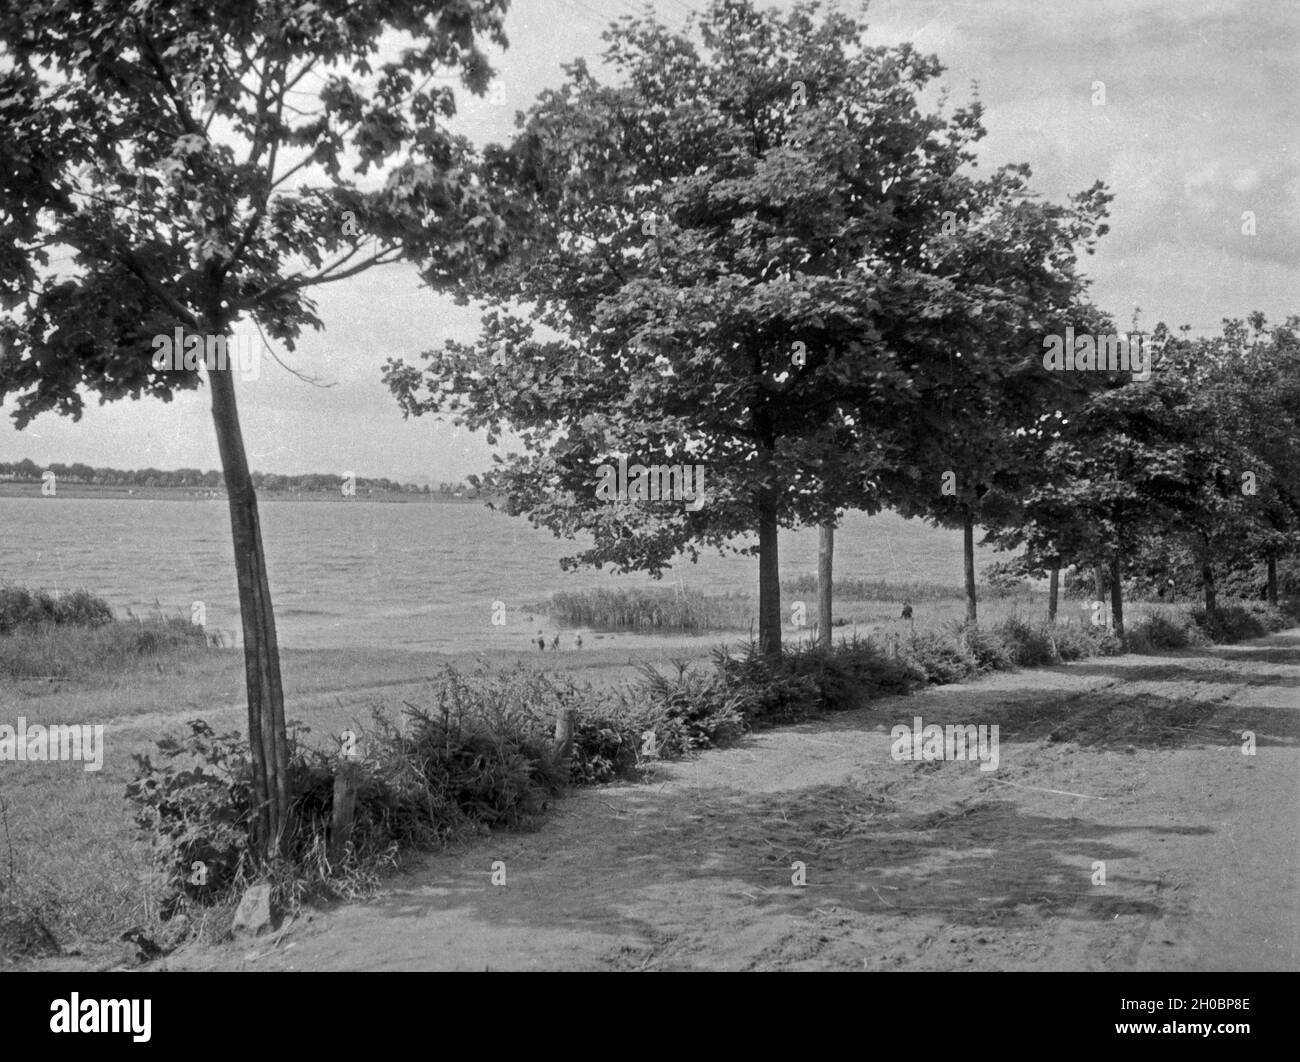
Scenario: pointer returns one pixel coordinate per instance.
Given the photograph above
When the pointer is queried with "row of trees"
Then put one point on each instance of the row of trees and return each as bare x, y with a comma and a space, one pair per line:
758, 252
1196, 470
311, 482
757, 248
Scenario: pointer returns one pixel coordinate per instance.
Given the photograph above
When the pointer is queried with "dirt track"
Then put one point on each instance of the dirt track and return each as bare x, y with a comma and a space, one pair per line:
929, 866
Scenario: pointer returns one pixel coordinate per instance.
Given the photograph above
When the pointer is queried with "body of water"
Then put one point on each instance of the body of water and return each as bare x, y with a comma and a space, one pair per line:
422, 576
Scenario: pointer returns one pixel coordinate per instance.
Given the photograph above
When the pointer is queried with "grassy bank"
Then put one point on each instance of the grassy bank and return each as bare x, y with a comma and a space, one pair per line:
450, 747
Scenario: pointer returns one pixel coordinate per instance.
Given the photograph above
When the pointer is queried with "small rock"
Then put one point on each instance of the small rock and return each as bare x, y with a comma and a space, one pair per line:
253, 918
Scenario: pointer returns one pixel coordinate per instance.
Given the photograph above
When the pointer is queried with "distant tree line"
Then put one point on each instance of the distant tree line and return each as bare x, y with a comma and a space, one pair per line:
28, 470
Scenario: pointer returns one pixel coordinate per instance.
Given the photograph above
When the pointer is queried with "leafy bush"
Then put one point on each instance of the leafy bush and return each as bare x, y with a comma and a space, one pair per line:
481, 758
1076, 642
694, 710
604, 747
1028, 644
847, 672
987, 646
1162, 631
768, 691
197, 809
1237, 620
940, 655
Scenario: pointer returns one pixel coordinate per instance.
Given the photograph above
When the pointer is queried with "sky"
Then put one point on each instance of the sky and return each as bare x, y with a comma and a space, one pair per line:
1198, 126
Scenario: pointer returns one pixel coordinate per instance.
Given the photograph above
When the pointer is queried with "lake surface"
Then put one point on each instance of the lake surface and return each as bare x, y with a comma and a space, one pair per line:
414, 575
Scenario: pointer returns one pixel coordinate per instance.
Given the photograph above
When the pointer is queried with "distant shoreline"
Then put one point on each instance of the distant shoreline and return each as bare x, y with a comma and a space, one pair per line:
64, 489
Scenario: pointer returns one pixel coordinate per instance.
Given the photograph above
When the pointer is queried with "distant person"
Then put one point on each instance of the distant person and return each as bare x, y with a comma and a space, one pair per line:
907, 610
555, 642
577, 641
541, 641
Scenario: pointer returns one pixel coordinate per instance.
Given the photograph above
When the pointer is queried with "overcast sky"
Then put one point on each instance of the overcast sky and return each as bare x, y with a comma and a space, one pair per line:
1199, 125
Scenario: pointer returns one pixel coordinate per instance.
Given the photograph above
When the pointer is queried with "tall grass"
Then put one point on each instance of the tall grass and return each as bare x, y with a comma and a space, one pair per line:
74, 635
23, 609
874, 589
651, 609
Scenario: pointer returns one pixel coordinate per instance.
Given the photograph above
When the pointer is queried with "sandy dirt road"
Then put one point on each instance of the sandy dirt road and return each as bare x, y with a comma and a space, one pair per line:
1135, 763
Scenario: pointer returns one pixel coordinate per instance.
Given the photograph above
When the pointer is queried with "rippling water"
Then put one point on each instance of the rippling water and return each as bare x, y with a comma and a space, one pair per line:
414, 575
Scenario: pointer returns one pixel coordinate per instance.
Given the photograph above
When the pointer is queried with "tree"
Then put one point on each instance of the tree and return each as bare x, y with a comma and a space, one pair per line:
175, 153
713, 249
1010, 279
1252, 372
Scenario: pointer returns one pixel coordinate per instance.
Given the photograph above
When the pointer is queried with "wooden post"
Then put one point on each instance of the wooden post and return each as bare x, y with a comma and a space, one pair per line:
968, 559
345, 806
1117, 601
825, 552
564, 735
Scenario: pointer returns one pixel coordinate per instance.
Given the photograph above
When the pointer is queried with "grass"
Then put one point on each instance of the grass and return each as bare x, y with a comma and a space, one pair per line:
880, 590
26, 610
864, 602
54, 653
75, 636
651, 609
459, 749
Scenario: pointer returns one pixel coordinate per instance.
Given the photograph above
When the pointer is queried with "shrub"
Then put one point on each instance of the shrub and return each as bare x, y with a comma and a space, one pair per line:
1162, 631
851, 670
940, 655
196, 808
768, 691
693, 710
1238, 620
987, 647
1029, 644
604, 747
1077, 643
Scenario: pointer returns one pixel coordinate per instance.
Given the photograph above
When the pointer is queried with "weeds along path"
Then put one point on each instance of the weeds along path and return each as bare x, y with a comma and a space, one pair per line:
1135, 763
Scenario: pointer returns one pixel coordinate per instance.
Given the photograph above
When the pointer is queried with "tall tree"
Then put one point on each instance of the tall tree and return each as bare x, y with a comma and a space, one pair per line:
714, 243
187, 166
1009, 279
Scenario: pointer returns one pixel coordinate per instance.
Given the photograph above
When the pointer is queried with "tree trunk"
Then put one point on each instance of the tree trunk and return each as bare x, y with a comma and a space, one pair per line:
1053, 592
1098, 583
1207, 582
1117, 600
266, 729
1272, 580
769, 580
968, 551
825, 555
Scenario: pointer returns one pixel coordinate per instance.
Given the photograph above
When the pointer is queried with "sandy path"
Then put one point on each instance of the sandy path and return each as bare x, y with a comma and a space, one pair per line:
909, 865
